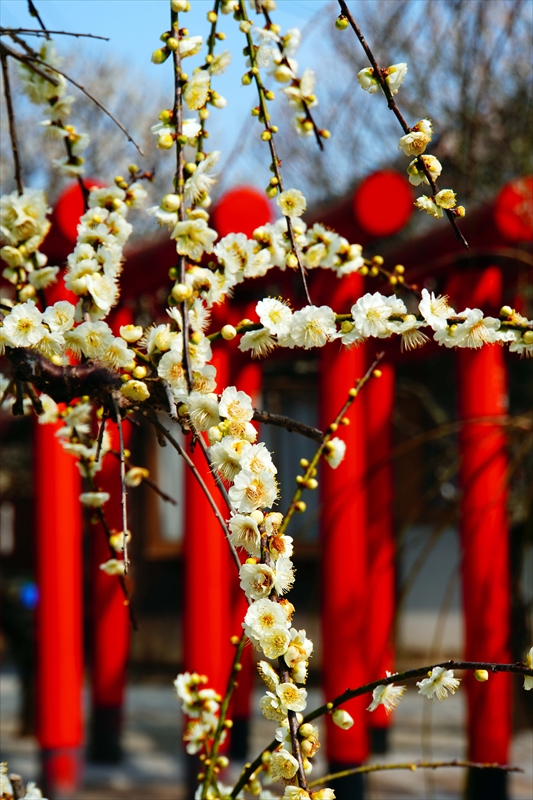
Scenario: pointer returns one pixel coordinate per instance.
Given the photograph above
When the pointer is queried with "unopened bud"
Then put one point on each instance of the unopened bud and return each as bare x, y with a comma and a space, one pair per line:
228, 332
341, 23
342, 719
181, 292
506, 311
481, 675
266, 136
528, 337
300, 506
291, 261
377, 373
160, 56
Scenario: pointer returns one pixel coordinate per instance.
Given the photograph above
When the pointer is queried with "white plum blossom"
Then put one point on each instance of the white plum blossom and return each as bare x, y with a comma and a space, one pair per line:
113, 566
367, 80
435, 310
476, 330
262, 617
235, 405
275, 315
312, 326
200, 181
439, 682
94, 499
227, 455
292, 697
23, 325
387, 695
427, 204
415, 142
251, 491
283, 765
417, 174
260, 342
60, 316
256, 580
196, 91
193, 238
395, 76
292, 203
370, 315
334, 452
203, 410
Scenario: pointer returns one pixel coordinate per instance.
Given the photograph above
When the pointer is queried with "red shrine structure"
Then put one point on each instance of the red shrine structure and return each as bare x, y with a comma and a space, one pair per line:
357, 543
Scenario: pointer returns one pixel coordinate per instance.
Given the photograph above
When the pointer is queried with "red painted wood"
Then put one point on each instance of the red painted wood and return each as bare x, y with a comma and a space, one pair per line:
59, 612
484, 529
207, 608
378, 398
344, 546
110, 619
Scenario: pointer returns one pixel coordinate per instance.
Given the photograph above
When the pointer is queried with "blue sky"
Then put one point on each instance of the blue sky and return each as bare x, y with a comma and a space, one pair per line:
134, 28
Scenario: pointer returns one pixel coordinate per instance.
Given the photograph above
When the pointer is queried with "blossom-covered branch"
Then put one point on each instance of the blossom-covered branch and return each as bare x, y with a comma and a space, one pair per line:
415, 140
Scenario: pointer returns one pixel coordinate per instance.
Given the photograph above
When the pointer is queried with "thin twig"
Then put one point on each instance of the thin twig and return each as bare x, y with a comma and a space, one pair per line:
329, 432
275, 160
232, 683
34, 13
35, 32
179, 185
8, 51
171, 402
378, 74
349, 694
413, 766
291, 425
176, 445
12, 129
123, 495
163, 495
101, 432
33, 59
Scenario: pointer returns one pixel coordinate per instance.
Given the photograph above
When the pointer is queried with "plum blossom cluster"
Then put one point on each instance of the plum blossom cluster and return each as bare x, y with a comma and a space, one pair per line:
57, 105
96, 262
424, 169
201, 705
23, 228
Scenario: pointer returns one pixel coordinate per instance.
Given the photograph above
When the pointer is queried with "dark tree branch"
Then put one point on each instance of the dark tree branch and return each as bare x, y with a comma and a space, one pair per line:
378, 73
12, 128
34, 32
291, 425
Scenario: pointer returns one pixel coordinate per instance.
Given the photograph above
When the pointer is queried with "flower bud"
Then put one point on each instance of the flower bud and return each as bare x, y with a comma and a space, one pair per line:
170, 202
140, 372
291, 261
228, 332
266, 136
257, 516
506, 311
306, 730
528, 337
211, 17
214, 434
172, 43
341, 23
246, 79
179, 5
481, 675
342, 719
160, 56
181, 292
165, 141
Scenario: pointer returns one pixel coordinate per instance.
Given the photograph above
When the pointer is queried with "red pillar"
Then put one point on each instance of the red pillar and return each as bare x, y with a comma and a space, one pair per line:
110, 627
378, 397
247, 377
482, 385
59, 614
344, 584
206, 619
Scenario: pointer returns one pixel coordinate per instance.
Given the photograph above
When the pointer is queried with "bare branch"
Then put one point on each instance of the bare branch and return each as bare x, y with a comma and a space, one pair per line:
291, 425
34, 13
34, 32
124, 495
12, 129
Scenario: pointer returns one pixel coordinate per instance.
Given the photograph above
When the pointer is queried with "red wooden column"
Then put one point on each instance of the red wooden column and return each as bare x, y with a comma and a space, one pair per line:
344, 579
207, 609
247, 377
482, 387
59, 614
378, 398
110, 626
